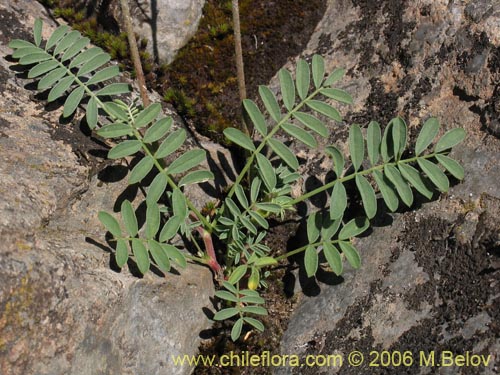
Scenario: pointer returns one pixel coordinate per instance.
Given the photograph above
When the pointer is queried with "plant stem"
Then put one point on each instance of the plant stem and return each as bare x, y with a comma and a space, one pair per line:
239, 58
134, 52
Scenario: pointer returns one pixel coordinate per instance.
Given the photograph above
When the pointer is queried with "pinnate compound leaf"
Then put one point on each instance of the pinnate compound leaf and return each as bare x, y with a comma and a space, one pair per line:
256, 116
196, 177
114, 89
287, 88
338, 202
333, 258
300, 134
121, 255
356, 146
114, 130
284, 153
126, 148
226, 313
390, 197
338, 95
427, 134
92, 112
170, 228
450, 139
171, 143
270, 102
318, 70
158, 130
129, 218
238, 137
312, 123
42, 68
186, 161
266, 171
303, 78
237, 274
335, 76
73, 101
402, 187
455, 169
159, 256
413, 176
311, 261
141, 170
147, 115
110, 223
37, 31
373, 138
354, 228
324, 109
351, 254
435, 174
105, 74
367, 196
338, 160
141, 255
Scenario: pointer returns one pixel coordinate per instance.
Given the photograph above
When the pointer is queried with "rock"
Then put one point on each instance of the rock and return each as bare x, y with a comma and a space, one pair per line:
429, 279
64, 306
167, 25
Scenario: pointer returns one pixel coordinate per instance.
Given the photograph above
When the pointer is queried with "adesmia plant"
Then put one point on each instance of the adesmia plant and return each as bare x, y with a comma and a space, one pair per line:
379, 163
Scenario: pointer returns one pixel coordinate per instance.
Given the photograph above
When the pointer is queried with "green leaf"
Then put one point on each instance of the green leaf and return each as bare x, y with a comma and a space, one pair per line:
158, 130
451, 166
92, 112
147, 115
450, 139
335, 76
255, 323
42, 68
230, 287
233, 207
237, 274
110, 223
66, 42
333, 258
413, 176
269, 207
265, 261
186, 161
351, 254
435, 174
388, 193
338, 202
318, 70
51, 78
240, 194
313, 227
312, 123
356, 146
399, 136
26, 51
270, 102
300, 134
179, 204
34, 58
125, 148
248, 225
402, 187
141, 255
303, 78
287, 88
259, 219
226, 313
238, 137
258, 310
427, 134
170, 228
255, 189
338, 95
152, 220
284, 153
311, 261
121, 254
114, 89
354, 228
338, 160
73, 101
222, 294
85, 57
157, 188
37, 31
171, 143
20, 43
236, 330
175, 255
94, 64
116, 111
266, 171
129, 218
196, 177
256, 116
114, 130
330, 227
104, 75
60, 88
367, 196
324, 109
373, 138
75, 48
386, 146
56, 36
159, 255
141, 170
